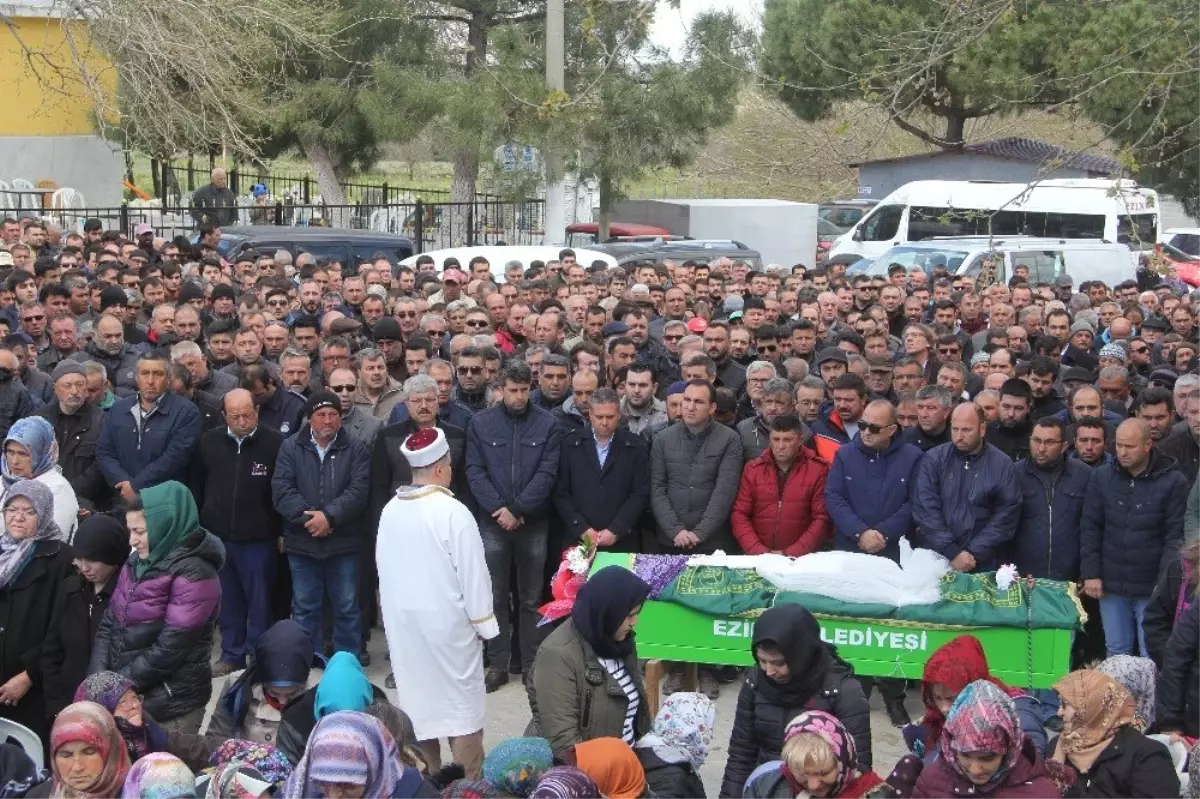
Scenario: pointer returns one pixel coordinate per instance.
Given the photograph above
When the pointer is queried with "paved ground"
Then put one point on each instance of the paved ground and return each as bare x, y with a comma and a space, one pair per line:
508, 713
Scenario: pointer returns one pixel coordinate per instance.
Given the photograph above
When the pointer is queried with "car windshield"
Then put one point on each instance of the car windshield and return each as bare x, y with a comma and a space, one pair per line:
927, 258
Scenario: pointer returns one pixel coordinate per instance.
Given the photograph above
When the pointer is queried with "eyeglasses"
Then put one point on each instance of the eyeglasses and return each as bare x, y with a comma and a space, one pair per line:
1140, 350
277, 302
19, 512
470, 370
476, 323
33, 318
346, 389
873, 429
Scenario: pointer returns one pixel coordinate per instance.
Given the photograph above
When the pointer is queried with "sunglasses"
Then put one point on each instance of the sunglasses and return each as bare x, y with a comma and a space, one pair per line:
33, 318
343, 389
406, 315
874, 429
948, 350
768, 348
672, 338
476, 323
470, 370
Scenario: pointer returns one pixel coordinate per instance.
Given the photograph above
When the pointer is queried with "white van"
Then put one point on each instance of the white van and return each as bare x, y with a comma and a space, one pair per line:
1108, 210
1045, 259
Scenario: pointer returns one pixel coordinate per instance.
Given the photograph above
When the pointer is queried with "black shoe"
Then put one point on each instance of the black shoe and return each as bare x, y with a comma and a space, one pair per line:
494, 679
364, 659
514, 667
390, 681
897, 713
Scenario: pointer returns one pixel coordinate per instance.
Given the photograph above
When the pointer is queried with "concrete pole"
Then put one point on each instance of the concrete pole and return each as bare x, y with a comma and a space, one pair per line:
555, 218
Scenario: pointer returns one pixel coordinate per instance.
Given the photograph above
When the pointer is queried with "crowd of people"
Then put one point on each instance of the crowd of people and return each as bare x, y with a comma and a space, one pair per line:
294, 452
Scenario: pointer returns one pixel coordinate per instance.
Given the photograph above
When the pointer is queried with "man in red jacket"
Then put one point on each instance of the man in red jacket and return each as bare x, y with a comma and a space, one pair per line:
780, 505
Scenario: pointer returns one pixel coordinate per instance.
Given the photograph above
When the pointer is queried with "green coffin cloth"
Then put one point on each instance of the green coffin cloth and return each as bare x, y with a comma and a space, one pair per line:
968, 600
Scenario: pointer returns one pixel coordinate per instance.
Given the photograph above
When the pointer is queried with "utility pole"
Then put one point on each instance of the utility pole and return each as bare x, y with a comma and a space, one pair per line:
556, 210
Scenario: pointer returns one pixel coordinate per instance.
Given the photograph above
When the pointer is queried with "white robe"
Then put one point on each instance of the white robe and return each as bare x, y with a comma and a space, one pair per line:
436, 597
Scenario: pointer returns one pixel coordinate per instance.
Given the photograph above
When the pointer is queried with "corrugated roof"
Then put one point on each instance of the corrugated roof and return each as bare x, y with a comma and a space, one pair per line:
1015, 148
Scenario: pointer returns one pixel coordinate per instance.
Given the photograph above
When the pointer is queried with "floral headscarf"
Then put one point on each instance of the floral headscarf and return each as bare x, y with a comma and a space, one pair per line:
106, 688
682, 730
829, 729
234, 780
565, 782
983, 719
263, 758
348, 747
1139, 676
15, 554
160, 775
514, 766
1102, 706
89, 723
36, 435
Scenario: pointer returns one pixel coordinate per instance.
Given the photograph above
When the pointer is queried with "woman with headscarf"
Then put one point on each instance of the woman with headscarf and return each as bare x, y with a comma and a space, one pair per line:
233, 781
565, 782
31, 453
343, 686
951, 668
252, 702
160, 776
515, 766
983, 752
613, 766
590, 664
87, 756
677, 745
34, 564
158, 631
100, 547
1100, 747
351, 756
796, 671
1139, 676
263, 758
819, 759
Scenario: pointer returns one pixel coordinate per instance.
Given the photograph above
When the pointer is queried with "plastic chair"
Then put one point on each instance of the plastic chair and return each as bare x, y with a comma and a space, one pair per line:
66, 198
25, 738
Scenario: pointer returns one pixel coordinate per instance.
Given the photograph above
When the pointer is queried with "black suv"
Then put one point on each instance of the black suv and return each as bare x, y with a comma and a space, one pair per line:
632, 254
350, 247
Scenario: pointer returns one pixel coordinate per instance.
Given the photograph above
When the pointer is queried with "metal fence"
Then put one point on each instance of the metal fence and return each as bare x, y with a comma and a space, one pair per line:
176, 183
431, 225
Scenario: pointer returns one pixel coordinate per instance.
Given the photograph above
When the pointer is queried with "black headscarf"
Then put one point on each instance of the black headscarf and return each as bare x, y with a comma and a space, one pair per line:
283, 654
603, 603
793, 632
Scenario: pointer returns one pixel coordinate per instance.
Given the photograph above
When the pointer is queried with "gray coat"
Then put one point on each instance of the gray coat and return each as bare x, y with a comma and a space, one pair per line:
122, 368
362, 426
218, 383
650, 419
693, 482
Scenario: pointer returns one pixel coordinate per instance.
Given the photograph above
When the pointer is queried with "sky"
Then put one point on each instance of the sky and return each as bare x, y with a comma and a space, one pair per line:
670, 25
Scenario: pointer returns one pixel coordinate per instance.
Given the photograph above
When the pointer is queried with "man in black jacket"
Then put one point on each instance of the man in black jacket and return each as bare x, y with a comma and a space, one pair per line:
603, 482
1010, 432
232, 475
77, 425
934, 405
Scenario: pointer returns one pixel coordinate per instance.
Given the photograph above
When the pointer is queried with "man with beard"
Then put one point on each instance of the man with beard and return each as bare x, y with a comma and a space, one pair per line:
108, 348
934, 404
730, 374
189, 355
554, 382
471, 390
77, 425
278, 408
390, 341
641, 411
1046, 402
1010, 432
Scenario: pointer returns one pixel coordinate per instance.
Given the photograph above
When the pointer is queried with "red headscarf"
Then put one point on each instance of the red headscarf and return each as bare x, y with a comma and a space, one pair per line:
956, 664
92, 724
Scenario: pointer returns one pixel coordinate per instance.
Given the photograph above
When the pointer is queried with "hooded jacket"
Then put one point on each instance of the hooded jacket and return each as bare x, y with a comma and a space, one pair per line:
775, 512
1132, 526
284, 654
869, 490
158, 631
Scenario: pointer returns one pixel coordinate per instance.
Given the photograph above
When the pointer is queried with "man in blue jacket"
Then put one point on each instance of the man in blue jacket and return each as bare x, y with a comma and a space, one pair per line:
1053, 490
966, 499
1132, 524
148, 438
867, 497
321, 485
512, 461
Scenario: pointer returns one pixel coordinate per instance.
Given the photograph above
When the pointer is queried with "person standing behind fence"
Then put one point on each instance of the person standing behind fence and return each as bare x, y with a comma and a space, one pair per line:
215, 204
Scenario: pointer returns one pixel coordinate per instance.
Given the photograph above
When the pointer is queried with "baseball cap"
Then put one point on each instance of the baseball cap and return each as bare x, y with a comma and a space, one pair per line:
144, 227
697, 325
454, 276
831, 354
614, 329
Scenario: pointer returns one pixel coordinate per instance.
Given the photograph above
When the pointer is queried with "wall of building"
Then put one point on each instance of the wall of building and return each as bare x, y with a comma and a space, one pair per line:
49, 130
876, 181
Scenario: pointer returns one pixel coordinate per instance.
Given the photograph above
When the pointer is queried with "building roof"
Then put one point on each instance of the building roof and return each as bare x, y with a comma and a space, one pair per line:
1015, 148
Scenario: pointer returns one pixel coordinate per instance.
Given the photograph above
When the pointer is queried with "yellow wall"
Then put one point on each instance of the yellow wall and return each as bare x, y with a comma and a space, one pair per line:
44, 92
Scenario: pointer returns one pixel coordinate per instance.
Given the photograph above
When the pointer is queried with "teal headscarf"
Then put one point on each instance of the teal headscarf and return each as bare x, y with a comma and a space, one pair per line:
171, 516
343, 686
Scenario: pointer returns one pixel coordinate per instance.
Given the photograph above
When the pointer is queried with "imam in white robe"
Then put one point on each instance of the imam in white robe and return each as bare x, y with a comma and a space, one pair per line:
436, 597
